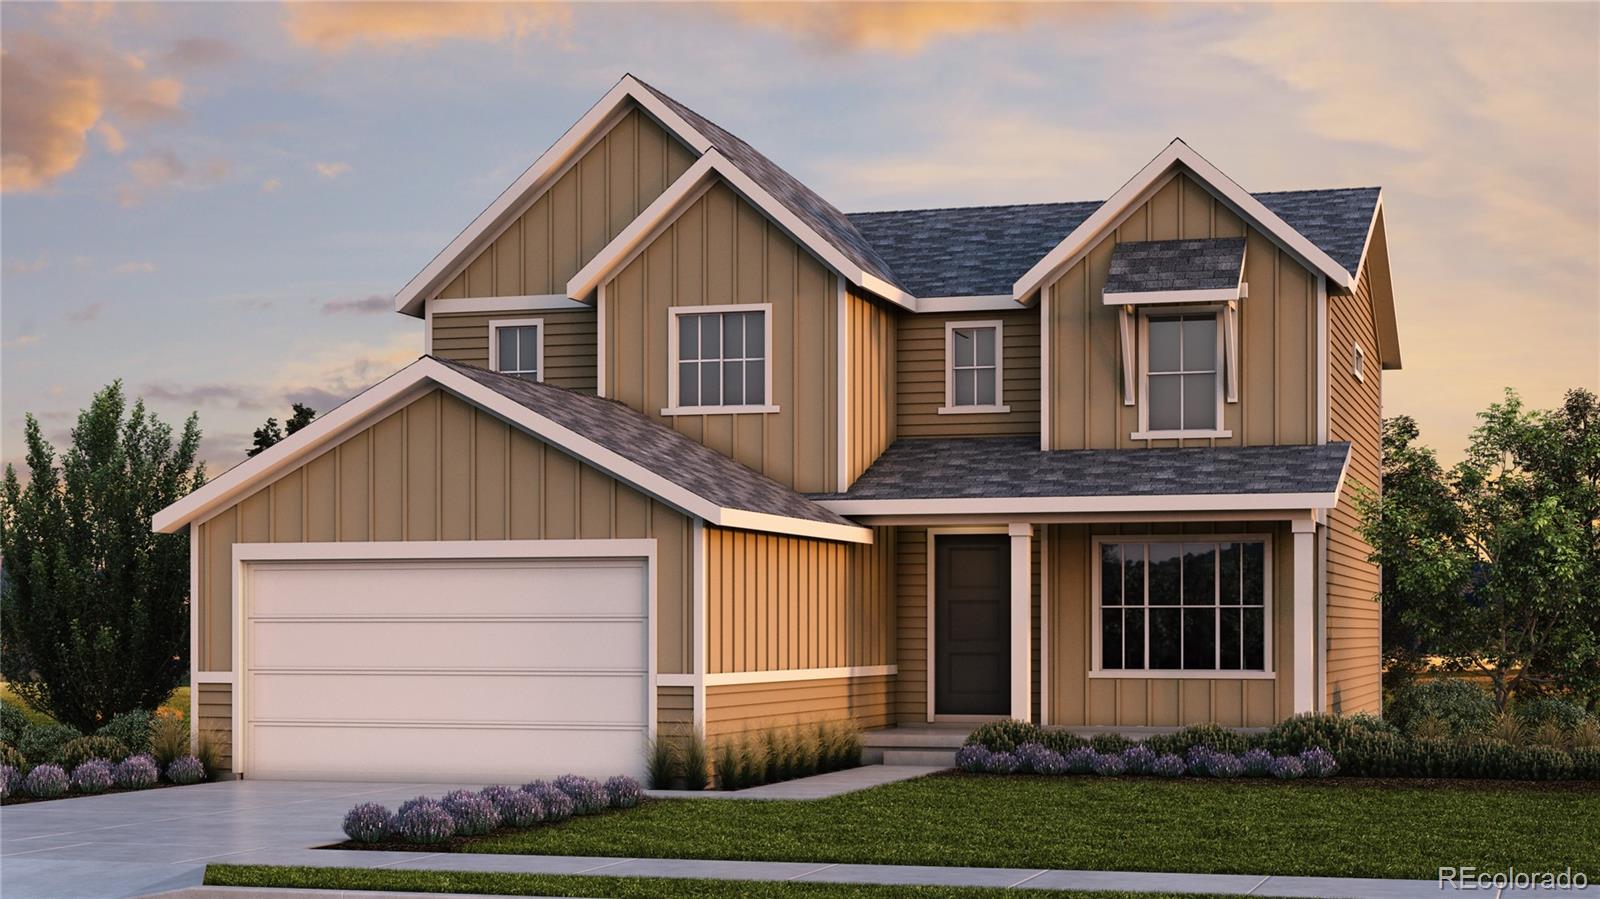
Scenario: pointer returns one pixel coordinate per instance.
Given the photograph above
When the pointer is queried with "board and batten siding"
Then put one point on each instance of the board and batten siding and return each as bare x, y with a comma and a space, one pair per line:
720, 251
1355, 413
1277, 335
871, 338
1078, 700
569, 342
922, 364
565, 226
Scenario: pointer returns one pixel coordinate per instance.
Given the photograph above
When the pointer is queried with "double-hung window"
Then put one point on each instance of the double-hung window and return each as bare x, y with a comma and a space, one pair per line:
974, 367
721, 359
516, 347
1179, 607
1182, 377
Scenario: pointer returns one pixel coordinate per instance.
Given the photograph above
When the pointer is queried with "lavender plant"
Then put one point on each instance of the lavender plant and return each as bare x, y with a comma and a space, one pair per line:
10, 781
1257, 762
1080, 760
136, 772
473, 814
368, 822
1287, 767
1168, 765
588, 795
1000, 763
186, 770
1138, 759
1318, 762
93, 776
521, 809
623, 791
424, 821
497, 794
973, 758
558, 806
1226, 764
1036, 758
46, 781
1109, 764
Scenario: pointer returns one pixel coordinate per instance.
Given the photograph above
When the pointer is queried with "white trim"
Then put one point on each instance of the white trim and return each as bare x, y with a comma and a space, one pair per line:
600, 354
1127, 331
1030, 505
1001, 302
1096, 671
797, 674
1147, 297
1230, 352
1178, 154
494, 342
1322, 703
928, 648
744, 519
950, 329
533, 303
543, 172
194, 634
842, 477
246, 554
1358, 362
1046, 365
211, 677
1322, 360
1021, 536
697, 696
1304, 598
1044, 626
676, 312
1218, 373
1198, 434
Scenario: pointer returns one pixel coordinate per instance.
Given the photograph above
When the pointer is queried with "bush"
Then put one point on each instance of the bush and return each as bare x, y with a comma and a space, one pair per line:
93, 776
10, 756
1563, 713
1586, 763
473, 814
1318, 762
1507, 728
623, 791
1080, 760
1108, 764
136, 772
1109, 744
210, 746
660, 763
43, 742
803, 757
1584, 736
1035, 758
588, 795
83, 749
1301, 732
186, 770
1287, 767
169, 739
13, 721
10, 781
1212, 735
558, 806
973, 758
521, 809
1168, 765
497, 794
730, 776
695, 774
423, 821
1463, 706
46, 781
1138, 759
1256, 762
1000, 763
368, 822
131, 729
1006, 736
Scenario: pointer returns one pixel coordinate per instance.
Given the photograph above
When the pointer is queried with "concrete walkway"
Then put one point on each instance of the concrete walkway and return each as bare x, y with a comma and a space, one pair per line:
821, 786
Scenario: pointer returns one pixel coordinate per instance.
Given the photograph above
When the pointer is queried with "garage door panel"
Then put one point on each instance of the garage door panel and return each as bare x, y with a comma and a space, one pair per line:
599, 587
469, 755
442, 698
446, 644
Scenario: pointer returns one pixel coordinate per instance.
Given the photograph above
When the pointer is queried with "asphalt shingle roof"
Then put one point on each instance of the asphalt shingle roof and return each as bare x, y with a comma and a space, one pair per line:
690, 465
1013, 467
1147, 265
1337, 220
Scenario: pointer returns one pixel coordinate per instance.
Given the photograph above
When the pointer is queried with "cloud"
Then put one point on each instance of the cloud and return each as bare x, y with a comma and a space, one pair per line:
53, 93
907, 28
371, 305
128, 268
270, 185
163, 168
111, 137
86, 314
27, 266
22, 340
335, 27
231, 395
331, 169
200, 52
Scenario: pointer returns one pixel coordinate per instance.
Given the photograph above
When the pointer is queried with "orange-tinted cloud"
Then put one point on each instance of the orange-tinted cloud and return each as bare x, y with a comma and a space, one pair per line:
163, 168
337, 26
906, 27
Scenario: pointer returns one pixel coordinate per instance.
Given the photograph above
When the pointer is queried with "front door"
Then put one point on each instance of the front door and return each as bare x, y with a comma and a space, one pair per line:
972, 624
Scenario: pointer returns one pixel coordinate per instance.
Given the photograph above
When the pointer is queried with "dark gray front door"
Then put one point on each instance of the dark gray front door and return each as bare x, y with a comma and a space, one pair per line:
971, 624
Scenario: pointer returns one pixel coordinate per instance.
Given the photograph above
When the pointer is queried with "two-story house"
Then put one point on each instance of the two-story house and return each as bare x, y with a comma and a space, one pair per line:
692, 447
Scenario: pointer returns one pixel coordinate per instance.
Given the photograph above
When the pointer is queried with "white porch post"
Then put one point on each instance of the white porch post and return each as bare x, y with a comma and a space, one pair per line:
1021, 620
1305, 663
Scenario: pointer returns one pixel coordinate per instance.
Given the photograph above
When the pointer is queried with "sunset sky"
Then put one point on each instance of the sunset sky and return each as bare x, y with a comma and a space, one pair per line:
215, 202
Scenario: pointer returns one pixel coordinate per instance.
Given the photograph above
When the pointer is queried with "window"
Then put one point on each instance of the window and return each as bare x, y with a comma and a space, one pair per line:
516, 347
1182, 607
720, 360
974, 367
1358, 362
1182, 387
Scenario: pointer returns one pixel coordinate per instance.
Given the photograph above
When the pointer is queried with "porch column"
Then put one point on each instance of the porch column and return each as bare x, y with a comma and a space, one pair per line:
1305, 662
1021, 620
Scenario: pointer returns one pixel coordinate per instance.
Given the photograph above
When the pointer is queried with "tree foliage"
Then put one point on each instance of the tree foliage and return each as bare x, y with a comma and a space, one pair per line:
94, 604
269, 433
1494, 564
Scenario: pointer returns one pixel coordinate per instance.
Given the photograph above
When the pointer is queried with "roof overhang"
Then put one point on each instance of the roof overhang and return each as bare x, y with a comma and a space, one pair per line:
538, 176
425, 374
1068, 505
1178, 156
1375, 269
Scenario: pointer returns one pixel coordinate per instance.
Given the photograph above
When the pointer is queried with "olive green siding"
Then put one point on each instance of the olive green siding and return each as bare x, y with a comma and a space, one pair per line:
871, 334
921, 366
569, 342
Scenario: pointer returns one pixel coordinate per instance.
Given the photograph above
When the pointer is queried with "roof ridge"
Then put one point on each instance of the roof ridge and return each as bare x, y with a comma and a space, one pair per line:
977, 206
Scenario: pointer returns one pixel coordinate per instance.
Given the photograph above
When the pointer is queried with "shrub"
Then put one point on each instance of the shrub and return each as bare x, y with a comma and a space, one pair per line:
13, 721
1109, 744
695, 774
839, 746
1586, 763
588, 795
1318, 762
1006, 736
1563, 713
1080, 760
1168, 765
752, 761
1256, 762
729, 775
521, 809
1212, 735
10, 756
423, 821
78, 751
410, 804
1507, 728
1062, 741
1034, 758
1430, 727
1000, 763
169, 739
1294, 735
136, 772
46, 781
1584, 736
660, 763
1108, 764
10, 781
973, 758
803, 758
623, 791
558, 806
1463, 706
368, 822
473, 814
1549, 733
209, 747
1200, 760
1138, 759
131, 729
186, 770
43, 742
93, 776
497, 794
1287, 767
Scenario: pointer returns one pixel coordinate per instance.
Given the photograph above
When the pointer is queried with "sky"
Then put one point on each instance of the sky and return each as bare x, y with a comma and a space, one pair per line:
215, 202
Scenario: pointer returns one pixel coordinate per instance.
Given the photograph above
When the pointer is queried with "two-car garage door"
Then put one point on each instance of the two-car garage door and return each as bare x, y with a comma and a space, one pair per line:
429, 668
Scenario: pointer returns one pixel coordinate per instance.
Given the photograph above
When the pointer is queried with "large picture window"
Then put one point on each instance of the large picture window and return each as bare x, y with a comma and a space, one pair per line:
1182, 380
720, 360
1183, 606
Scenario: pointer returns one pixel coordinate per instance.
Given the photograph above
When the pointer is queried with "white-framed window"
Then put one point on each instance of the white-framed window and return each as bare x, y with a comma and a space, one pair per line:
720, 359
1358, 362
974, 367
1183, 606
516, 347
1180, 374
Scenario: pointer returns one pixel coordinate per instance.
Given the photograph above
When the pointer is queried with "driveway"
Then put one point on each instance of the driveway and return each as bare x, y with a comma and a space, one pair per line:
131, 844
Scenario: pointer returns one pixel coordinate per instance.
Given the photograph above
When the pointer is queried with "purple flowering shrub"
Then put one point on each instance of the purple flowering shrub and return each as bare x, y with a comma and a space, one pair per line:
473, 814
1000, 763
623, 791
521, 809
422, 820
1226, 764
368, 822
93, 776
1036, 758
1257, 762
1205, 761
1318, 762
10, 781
1109, 764
410, 804
558, 806
972, 758
136, 772
1168, 765
46, 781
1138, 759
497, 794
588, 795
1080, 760
1287, 767
186, 770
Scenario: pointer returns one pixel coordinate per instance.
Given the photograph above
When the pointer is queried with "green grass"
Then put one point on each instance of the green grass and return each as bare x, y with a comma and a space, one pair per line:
617, 887
1331, 829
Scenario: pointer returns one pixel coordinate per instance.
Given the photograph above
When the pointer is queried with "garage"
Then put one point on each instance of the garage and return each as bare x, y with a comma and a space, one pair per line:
456, 661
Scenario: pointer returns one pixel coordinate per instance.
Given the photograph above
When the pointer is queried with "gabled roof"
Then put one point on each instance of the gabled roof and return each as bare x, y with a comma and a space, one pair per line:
607, 435
1339, 221
1162, 266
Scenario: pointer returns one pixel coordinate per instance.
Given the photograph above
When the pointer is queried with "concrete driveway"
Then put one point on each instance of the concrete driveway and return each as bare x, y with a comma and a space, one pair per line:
132, 844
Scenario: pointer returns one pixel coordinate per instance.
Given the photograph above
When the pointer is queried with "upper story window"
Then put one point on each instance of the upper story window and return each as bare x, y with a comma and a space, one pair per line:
1358, 362
974, 374
1182, 383
721, 359
1168, 607
516, 347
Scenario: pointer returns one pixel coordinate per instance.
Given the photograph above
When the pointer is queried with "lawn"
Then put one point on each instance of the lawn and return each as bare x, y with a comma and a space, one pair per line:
617, 887
1332, 828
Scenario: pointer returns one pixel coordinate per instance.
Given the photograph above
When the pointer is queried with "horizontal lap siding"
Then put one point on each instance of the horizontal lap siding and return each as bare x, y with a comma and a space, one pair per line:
212, 708
871, 333
569, 342
921, 364
674, 709
739, 708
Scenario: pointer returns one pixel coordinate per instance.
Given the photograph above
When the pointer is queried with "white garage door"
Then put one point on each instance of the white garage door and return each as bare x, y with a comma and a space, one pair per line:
443, 669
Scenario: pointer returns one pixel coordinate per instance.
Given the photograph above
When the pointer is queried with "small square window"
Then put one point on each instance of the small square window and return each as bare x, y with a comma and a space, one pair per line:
721, 359
517, 348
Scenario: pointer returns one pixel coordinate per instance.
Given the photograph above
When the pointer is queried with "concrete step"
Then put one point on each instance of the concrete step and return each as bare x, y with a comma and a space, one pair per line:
916, 738
940, 758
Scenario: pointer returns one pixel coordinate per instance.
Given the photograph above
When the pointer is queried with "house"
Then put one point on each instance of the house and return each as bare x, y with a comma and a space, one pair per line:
692, 447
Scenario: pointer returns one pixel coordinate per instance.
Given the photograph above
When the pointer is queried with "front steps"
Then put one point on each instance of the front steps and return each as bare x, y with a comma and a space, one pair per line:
925, 745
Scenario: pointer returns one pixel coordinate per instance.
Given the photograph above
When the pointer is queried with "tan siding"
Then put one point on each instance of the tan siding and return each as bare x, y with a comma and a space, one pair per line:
721, 250
1355, 414
212, 707
674, 709
1078, 700
871, 387
921, 366
737, 708
1277, 336
569, 342
563, 228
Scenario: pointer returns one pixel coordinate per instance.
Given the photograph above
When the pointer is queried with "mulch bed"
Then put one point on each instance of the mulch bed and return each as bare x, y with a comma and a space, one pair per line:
1335, 782
24, 800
